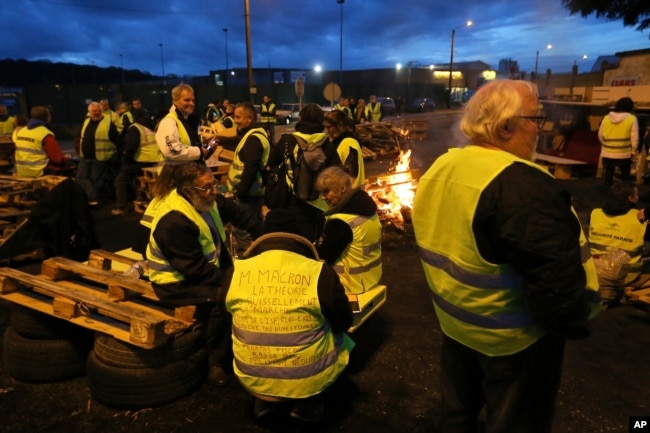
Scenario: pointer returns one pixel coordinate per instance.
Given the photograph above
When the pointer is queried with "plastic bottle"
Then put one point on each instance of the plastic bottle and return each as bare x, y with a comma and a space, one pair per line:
136, 270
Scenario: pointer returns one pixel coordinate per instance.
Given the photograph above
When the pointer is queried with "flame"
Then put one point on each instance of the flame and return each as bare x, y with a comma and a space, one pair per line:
396, 190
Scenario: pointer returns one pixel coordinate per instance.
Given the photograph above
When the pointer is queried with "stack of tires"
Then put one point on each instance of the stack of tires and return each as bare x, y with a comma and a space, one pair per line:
40, 348
129, 377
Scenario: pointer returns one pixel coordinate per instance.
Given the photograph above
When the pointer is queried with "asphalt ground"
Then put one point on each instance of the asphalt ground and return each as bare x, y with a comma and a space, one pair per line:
393, 380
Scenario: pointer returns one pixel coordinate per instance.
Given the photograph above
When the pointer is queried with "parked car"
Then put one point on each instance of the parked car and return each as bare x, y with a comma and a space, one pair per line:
421, 105
387, 105
287, 113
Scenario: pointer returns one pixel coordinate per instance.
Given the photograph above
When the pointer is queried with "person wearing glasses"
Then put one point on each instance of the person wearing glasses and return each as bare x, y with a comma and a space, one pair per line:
188, 257
507, 264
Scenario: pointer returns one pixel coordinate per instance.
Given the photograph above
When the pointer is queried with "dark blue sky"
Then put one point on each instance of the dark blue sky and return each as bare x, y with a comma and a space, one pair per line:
302, 34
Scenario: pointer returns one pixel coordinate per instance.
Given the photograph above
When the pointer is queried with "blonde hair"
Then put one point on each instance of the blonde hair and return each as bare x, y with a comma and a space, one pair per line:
176, 91
492, 107
333, 178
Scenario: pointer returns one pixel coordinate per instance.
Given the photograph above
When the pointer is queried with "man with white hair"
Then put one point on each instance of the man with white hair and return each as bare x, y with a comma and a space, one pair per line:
97, 148
507, 264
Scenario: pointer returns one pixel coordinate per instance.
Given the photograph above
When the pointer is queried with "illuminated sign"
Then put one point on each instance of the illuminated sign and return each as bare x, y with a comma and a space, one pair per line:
623, 81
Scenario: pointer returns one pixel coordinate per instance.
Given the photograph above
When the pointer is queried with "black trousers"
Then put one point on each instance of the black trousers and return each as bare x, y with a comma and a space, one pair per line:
517, 391
217, 324
609, 166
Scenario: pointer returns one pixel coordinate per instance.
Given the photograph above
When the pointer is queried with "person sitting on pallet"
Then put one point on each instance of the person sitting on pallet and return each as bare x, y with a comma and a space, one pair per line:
289, 340
351, 239
37, 151
617, 226
187, 253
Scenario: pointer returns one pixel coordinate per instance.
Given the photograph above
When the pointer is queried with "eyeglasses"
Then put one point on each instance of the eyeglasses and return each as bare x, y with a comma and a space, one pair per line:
540, 120
215, 185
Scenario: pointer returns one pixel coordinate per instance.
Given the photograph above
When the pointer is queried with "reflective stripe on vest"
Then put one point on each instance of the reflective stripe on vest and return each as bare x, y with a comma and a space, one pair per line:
283, 345
478, 303
30, 156
360, 266
616, 136
343, 150
374, 112
104, 148
237, 166
266, 115
148, 151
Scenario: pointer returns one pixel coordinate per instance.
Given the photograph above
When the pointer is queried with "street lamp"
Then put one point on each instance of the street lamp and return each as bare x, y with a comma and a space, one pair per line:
548, 47
225, 75
341, 45
249, 57
451, 58
122, 67
162, 63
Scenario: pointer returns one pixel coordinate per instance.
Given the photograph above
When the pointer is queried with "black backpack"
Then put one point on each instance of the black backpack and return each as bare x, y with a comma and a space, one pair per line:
309, 162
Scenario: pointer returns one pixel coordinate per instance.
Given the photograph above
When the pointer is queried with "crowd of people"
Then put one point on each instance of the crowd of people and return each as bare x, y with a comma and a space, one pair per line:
504, 253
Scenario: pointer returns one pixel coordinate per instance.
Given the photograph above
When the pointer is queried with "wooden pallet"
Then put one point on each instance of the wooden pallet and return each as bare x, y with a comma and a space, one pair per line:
97, 299
366, 304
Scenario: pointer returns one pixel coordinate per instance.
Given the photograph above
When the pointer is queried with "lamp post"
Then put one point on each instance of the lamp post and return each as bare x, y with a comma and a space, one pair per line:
225, 75
249, 58
451, 58
122, 67
162, 63
341, 45
548, 47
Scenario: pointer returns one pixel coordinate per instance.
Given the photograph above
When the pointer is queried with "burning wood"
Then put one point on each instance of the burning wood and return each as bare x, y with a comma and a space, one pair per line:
394, 192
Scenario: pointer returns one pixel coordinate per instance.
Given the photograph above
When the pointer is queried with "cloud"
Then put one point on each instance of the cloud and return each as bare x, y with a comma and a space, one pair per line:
286, 33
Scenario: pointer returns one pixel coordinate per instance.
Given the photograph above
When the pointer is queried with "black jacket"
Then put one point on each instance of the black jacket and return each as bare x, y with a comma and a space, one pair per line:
337, 234
524, 218
177, 237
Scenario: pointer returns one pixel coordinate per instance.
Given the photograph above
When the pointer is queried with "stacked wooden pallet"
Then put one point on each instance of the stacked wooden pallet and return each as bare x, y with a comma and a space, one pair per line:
416, 129
97, 298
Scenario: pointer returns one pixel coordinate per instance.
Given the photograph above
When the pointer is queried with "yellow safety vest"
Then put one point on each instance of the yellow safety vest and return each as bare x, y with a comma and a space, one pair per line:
183, 136
160, 271
478, 303
266, 113
319, 203
120, 123
104, 147
621, 231
343, 151
31, 158
359, 266
374, 112
7, 126
237, 167
616, 136
148, 150
345, 109
282, 344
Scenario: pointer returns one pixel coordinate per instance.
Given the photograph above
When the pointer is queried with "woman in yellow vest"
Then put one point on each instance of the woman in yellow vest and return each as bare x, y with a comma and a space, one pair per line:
351, 239
617, 226
619, 136
348, 150
289, 314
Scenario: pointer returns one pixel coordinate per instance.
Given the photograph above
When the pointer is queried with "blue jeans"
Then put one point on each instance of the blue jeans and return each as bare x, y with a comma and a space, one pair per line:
91, 175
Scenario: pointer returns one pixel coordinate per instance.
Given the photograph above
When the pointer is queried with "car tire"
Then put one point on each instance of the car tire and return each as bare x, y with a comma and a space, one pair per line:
40, 326
137, 388
116, 353
43, 361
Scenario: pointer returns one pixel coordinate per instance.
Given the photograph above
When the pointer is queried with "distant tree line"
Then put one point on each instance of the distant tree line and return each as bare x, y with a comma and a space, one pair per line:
21, 73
